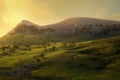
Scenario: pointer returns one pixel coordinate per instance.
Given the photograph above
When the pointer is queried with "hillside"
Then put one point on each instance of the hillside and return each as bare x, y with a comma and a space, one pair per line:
73, 49
91, 60
70, 30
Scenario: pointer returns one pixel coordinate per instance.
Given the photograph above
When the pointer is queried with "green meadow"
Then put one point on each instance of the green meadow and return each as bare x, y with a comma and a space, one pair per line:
90, 60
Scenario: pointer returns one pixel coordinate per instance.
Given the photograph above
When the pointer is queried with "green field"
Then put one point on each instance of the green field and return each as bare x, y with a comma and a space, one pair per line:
90, 60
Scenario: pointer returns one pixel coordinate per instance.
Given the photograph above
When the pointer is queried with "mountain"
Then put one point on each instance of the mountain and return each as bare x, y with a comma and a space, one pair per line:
87, 26
80, 25
72, 29
83, 21
73, 49
25, 27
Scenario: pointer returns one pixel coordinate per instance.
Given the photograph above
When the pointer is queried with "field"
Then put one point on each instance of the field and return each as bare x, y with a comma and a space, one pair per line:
90, 60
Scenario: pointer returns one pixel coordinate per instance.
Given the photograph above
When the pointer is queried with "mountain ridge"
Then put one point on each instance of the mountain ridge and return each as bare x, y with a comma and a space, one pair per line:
67, 25
74, 19
72, 29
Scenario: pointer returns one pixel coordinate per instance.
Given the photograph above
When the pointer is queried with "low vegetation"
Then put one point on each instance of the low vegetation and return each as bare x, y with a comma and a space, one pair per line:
91, 60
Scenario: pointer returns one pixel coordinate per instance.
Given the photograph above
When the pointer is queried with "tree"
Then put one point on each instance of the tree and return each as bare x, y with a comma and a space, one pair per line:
42, 55
54, 47
64, 44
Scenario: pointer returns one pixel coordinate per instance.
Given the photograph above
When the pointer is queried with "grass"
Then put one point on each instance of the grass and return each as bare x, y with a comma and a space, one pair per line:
19, 56
92, 60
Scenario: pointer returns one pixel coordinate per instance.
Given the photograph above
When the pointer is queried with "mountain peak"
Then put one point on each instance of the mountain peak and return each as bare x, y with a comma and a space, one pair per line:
84, 24
88, 20
26, 22
25, 27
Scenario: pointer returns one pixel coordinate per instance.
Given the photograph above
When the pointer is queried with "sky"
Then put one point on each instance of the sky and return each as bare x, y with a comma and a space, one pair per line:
45, 12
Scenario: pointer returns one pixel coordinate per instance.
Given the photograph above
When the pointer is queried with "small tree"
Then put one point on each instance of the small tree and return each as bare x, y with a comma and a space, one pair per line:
42, 55
64, 44
54, 47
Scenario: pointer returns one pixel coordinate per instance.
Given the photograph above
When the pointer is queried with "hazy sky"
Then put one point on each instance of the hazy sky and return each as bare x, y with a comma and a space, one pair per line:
49, 11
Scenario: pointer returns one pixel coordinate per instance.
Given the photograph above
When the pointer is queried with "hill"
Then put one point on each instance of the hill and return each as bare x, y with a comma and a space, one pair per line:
73, 49
91, 60
70, 30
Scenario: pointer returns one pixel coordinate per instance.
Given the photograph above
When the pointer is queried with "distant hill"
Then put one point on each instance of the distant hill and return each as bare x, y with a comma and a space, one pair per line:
25, 27
87, 26
72, 29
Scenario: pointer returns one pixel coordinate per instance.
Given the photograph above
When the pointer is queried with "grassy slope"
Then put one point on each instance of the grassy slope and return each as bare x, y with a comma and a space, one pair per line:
20, 39
92, 60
